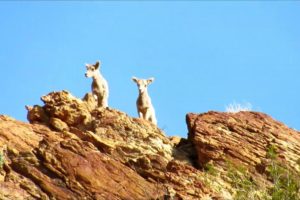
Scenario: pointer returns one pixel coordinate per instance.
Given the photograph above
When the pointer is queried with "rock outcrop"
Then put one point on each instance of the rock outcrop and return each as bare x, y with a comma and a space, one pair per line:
42, 164
73, 150
243, 140
242, 137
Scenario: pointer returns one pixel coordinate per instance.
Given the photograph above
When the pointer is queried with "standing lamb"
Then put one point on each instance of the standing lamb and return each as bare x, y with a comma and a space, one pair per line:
99, 85
143, 103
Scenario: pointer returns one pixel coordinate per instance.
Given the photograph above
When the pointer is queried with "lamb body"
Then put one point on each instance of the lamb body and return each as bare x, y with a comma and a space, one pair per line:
144, 105
100, 89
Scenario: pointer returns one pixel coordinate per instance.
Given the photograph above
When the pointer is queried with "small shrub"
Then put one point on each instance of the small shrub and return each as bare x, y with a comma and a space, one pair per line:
286, 183
236, 107
242, 182
1, 160
272, 152
210, 169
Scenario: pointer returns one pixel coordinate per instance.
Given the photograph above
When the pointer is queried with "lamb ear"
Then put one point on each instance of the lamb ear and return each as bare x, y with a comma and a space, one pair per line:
134, 79
97, 65
150, 80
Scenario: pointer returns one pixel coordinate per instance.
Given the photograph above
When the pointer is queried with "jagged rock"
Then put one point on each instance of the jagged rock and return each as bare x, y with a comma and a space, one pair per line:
11, 191
175, 140
112, 131
58, 124
90, 101
72, 149
36, 114
185, 152
67, 108
60, 167
242, 139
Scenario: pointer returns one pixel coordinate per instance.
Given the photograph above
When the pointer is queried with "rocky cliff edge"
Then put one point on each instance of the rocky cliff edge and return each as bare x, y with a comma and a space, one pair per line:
72, 150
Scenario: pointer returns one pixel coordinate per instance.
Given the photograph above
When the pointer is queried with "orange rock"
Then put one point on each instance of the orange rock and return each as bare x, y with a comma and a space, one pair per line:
73, 150
243, 137
67, 168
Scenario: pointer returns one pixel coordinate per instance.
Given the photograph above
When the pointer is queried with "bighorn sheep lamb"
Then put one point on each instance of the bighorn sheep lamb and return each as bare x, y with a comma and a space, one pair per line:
99, 85
143, 103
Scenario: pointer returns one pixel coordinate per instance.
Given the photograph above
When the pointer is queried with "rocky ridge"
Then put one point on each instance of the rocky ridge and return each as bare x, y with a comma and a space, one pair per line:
73, 150
246, 146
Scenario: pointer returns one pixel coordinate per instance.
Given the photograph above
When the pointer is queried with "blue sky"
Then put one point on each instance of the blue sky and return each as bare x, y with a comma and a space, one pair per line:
203, 55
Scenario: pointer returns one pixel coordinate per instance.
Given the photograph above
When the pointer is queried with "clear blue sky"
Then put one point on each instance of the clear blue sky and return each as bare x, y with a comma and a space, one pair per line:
204, 55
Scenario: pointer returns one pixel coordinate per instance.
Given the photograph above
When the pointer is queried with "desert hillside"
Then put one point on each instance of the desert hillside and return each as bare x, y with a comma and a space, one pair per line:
72, 150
